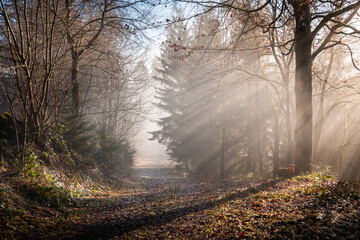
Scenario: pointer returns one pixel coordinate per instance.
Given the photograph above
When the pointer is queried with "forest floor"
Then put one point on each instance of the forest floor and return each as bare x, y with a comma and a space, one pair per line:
158, 204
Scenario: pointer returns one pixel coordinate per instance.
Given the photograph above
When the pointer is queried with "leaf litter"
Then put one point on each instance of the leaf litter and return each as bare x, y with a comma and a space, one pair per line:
305, 207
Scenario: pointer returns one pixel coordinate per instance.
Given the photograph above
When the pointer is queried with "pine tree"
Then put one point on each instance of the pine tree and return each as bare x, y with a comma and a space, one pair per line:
170, 76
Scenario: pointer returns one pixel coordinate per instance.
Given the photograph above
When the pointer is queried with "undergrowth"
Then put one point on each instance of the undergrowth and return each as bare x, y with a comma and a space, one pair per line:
44, 186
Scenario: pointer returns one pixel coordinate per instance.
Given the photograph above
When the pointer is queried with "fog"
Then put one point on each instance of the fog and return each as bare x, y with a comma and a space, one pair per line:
216, 88
225, 91
149, 153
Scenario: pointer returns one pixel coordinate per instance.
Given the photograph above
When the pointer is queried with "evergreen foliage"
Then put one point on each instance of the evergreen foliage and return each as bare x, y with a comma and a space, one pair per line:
78, 133
114, 156
212, 124
188, 95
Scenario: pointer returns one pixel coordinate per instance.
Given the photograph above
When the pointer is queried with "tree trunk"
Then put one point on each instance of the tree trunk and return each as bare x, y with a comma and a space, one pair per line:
289, 157
276, 143
303, 87
258, 130
75, 56
75, 85
222, 157
250, 164
321, 117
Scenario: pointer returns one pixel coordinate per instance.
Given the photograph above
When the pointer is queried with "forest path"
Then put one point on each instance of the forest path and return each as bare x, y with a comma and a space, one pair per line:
162, 205
160, 196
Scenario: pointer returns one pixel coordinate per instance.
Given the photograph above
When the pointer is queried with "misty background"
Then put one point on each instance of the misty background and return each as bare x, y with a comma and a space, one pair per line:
217, 89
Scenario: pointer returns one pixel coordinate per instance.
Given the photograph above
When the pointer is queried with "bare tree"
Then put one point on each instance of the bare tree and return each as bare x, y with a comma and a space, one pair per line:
88, 23
31, 51
311, 18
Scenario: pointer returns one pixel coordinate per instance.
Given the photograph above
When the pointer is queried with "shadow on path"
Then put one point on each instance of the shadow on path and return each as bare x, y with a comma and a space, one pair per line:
108, 230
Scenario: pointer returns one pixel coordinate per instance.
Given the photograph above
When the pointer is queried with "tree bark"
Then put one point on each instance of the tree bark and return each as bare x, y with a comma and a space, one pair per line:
222, 157
75, 85
303, 87
276, 143
321, 116
289, 156
258, 130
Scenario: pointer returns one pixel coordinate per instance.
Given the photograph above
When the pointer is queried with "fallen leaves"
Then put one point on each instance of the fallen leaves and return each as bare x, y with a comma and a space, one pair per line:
305, 207
256, 211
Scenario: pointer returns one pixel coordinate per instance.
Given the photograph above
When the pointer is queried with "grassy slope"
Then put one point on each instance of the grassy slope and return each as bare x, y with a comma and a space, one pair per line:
155, 207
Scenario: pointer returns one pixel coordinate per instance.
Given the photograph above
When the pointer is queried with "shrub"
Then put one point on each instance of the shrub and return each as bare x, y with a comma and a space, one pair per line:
114, 156
42, 185
77, 133
7, 130
50, 194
